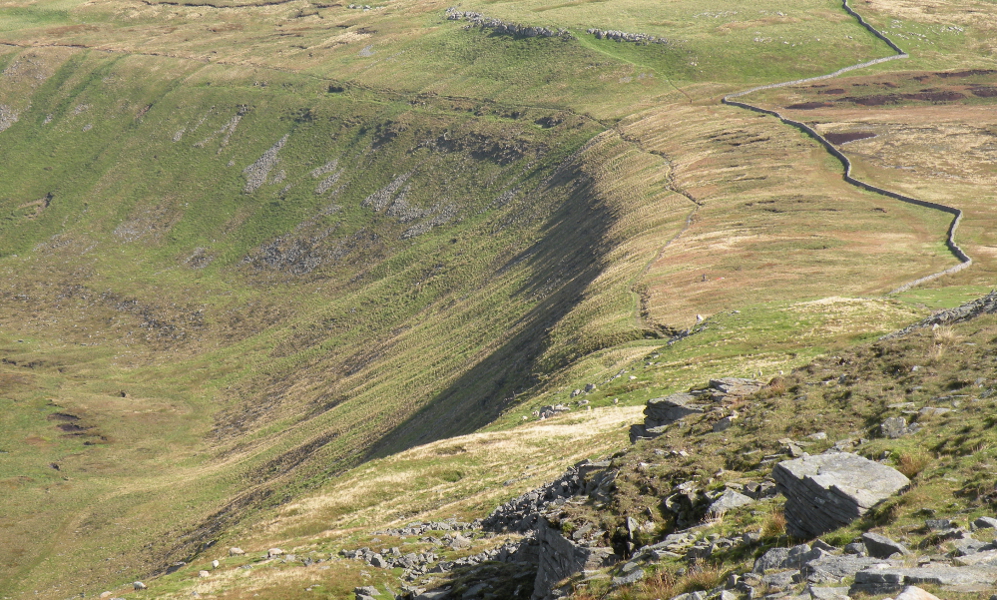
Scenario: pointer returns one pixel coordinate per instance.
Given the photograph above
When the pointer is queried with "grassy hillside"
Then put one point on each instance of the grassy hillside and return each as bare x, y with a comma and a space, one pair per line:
247, 248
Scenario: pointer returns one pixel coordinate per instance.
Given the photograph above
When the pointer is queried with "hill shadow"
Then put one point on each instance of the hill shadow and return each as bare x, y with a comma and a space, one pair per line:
569, 255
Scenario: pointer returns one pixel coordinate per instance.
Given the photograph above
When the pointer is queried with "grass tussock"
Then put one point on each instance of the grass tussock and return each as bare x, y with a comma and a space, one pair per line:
774, 525
660, 584
703, 576
913, 462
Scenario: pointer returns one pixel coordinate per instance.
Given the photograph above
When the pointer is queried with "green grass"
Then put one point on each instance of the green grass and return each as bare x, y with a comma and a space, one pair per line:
270, 341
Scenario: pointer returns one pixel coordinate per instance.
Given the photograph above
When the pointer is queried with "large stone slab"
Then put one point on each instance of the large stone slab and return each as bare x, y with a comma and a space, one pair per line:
830, 568
886, 581
662, 411
735, 386
827, 491
985, 557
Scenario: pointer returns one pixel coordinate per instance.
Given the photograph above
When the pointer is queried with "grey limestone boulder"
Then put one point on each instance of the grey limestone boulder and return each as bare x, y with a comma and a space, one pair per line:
727, 501
984, 557
773, 559
827, 491
968, 546
833, 569
828, 593
939, 524
378, 561
880, 546
855, 548
780, 579
629, 578
894, 427
915, 593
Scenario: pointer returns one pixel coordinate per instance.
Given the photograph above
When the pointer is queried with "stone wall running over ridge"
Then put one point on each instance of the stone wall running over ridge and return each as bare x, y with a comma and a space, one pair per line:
500, 27
964, 259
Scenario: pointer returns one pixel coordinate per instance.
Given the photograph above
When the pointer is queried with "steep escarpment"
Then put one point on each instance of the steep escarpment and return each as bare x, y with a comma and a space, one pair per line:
330, 276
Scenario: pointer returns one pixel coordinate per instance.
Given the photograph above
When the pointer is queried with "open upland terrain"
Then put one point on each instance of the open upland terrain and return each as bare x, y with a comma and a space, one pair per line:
507, 299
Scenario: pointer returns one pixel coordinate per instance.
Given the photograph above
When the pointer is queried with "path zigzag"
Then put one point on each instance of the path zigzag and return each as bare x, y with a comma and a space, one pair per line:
964, 259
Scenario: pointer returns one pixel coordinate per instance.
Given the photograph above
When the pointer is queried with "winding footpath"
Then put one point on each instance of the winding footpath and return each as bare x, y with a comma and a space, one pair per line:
964, 259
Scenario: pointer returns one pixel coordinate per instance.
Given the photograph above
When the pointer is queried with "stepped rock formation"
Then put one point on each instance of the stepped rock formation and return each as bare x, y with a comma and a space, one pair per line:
664, 411
828, 491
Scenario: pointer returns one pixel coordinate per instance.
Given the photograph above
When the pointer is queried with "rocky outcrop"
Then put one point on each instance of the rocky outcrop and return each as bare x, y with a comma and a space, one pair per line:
664, 411
523, 513
523, 553
828, 491
728, 388
987, 305
641, 39
561, 558
889, 580
500, 27
421, 528
661, 412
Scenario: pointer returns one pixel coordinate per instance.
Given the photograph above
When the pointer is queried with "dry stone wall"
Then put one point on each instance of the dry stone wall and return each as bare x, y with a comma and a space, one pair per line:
560, 558
964, 259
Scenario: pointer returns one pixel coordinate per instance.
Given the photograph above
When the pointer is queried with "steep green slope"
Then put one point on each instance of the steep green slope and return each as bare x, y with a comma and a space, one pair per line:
276, 278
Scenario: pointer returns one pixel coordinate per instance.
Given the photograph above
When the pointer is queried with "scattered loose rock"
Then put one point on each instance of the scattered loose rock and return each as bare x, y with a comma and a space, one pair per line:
642, 39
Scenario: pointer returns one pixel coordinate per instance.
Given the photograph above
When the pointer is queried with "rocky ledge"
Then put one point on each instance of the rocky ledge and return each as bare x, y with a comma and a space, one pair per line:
500, 27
